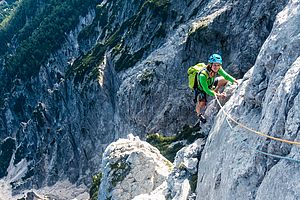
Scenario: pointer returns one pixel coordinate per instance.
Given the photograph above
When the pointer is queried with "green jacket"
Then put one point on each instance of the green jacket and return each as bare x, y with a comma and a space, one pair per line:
206, 82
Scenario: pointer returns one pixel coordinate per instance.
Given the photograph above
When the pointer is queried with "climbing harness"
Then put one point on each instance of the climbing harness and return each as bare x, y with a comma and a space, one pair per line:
261, 134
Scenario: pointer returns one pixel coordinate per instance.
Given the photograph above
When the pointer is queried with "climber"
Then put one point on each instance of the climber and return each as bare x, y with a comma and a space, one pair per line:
208, 83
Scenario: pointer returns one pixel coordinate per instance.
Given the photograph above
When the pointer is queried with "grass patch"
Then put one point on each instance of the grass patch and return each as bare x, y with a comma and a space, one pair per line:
163, 144
128, 60
95, 186
87, 64
120, 170
170, 145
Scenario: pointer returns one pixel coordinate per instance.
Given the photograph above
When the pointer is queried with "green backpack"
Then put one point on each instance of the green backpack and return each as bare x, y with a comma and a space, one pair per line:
192, 73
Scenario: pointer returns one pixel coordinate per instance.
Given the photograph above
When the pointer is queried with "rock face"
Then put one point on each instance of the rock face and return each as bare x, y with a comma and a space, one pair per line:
131, 167
185, 166
122, 69
267, 100
46, 119
182, 180
160, 78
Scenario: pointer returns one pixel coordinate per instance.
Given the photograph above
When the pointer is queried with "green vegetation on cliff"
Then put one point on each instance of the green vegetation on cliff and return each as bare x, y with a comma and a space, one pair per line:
114, 37
95, 186
39, 28
7, 8
170, 145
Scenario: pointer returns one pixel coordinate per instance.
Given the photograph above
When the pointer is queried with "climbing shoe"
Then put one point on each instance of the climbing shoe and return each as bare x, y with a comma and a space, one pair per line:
202, 118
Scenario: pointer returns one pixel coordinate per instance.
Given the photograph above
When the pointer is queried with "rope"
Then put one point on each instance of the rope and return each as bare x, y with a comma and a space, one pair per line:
254, 131
272, 155
262, 152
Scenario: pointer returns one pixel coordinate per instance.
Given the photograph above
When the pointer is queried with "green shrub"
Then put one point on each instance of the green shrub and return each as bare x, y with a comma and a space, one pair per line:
95, 186
162, 143
120, 170
170, 145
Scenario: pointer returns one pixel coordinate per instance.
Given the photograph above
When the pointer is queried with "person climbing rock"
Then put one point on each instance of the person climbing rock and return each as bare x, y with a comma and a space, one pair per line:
206, 82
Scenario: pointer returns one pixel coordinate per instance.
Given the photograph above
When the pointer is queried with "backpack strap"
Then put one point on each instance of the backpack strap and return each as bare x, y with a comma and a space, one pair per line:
202, 71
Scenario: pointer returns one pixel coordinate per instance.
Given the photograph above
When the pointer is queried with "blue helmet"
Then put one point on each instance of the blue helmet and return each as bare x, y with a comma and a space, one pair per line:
215, 58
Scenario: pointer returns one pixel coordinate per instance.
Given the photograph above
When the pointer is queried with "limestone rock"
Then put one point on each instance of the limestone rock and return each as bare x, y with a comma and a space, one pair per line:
62, 123
268, 101
131, 167
160, 193
177, 186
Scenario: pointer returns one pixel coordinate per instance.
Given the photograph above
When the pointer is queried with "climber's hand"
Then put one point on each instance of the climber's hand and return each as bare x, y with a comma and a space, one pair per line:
220, 95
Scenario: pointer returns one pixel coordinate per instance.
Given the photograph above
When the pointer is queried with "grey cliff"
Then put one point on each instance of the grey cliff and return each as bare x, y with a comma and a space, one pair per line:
59, 122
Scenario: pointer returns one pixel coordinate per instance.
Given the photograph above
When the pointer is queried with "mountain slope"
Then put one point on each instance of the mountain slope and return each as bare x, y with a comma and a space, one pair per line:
111, 69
